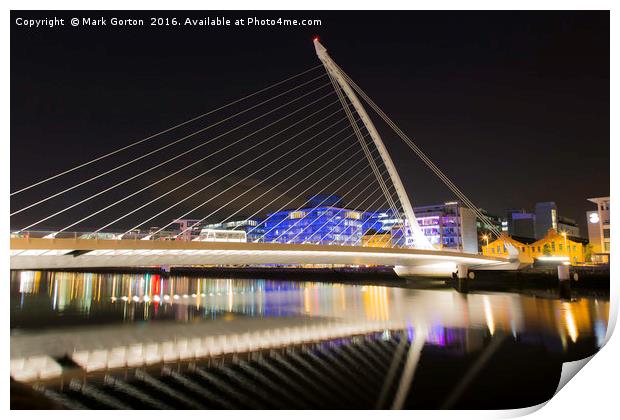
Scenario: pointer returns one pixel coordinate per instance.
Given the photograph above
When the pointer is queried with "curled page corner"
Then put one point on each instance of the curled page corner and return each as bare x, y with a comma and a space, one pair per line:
570, 369
521, 412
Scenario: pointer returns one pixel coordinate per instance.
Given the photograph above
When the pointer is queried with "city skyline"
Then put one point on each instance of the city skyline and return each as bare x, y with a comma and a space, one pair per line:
106, 88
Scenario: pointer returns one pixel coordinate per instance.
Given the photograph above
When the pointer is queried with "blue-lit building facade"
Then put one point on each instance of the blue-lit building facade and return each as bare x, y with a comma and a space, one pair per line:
382, 221
322, 221
326, 221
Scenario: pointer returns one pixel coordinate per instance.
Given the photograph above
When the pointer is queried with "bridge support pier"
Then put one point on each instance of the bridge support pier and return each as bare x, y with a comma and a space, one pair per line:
462, 275
462, 271
564, 279
563, 272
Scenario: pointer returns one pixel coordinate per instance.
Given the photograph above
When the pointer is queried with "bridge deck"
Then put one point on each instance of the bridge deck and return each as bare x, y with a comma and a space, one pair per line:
33, 253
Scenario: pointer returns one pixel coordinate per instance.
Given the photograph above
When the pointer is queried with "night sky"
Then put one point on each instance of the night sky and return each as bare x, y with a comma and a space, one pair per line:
513, 106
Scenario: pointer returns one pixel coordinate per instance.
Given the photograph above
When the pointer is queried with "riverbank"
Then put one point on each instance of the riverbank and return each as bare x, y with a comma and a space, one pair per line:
596, 278
592, 281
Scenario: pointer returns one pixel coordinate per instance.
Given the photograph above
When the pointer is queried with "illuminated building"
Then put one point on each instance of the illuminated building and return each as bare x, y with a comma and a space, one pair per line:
546, 218
381, 221
535, 225
599, 229
323, 221
188, 228
484, 228
521, 223
449, 226
569, 226
552, 247
377, 240
496, 222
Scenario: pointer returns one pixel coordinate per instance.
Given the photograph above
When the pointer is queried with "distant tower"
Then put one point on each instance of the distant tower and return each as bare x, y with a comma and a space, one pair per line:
546, 218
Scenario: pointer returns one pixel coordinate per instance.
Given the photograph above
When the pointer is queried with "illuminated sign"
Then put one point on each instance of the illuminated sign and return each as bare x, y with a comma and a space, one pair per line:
593, 218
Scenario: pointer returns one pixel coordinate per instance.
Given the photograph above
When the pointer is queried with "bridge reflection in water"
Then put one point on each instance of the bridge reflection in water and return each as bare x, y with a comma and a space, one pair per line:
228, 343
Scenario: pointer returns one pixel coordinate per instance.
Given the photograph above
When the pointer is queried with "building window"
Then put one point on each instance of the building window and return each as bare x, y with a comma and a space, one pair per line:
297, 215
605, 233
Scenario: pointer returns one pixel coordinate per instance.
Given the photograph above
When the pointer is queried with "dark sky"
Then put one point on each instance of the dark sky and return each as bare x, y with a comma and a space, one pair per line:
513, 106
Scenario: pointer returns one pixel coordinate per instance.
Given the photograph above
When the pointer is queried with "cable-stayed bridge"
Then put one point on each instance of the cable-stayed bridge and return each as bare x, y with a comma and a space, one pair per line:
255, 159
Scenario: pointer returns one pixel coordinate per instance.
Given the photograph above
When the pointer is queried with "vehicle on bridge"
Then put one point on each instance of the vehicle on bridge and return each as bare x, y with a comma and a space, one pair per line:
221, 235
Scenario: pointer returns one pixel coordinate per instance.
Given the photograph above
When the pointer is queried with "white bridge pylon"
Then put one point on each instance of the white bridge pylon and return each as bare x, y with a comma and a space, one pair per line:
420, 240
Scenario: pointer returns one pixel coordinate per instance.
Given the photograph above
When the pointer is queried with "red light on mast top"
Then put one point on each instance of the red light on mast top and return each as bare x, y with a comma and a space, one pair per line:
316, 38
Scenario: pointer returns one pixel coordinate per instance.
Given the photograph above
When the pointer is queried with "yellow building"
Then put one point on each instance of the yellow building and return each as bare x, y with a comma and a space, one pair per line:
554, 246
378, 240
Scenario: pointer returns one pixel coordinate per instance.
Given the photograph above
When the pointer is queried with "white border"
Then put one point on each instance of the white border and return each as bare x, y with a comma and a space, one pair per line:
592, 394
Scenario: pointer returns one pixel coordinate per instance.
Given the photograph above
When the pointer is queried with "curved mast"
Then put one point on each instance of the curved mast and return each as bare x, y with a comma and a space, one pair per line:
421, 241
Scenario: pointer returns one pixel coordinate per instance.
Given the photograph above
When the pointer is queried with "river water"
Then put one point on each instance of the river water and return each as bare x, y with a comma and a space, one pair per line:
194, 342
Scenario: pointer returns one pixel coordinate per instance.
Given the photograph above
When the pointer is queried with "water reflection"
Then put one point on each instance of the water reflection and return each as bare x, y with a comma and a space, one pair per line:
54, 299
121, 328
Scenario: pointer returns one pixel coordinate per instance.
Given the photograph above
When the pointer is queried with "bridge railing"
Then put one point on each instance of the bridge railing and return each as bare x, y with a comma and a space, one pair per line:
51, 234
83, 235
